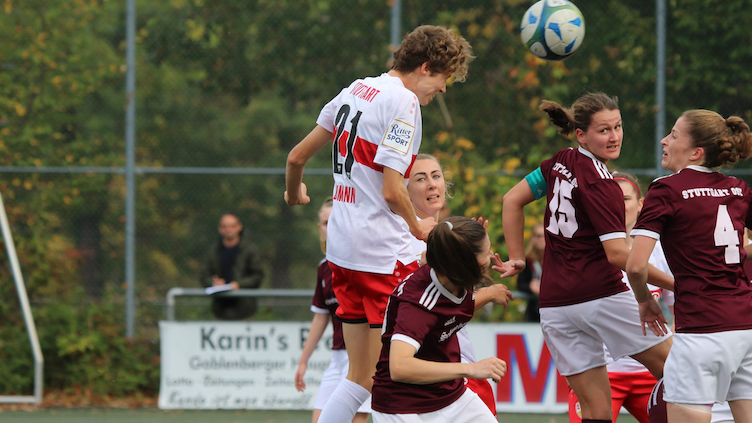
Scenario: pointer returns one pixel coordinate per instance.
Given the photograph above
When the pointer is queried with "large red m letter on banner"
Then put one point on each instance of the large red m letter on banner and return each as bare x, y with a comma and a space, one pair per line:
514, 351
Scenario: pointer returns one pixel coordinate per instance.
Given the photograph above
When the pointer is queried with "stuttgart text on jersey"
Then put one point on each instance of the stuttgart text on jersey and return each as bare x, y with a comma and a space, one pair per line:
711, 192
561, 169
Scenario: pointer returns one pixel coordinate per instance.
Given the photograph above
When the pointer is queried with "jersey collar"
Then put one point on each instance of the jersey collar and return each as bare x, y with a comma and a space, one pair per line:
699, 168
589, 154
444, 291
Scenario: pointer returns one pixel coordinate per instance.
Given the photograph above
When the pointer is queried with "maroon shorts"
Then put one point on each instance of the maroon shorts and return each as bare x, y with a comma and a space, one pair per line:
363, 296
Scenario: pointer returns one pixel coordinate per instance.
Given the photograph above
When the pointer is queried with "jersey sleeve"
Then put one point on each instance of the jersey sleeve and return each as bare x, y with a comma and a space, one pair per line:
395, 147
413, 324
327, 114
603, 202
318, 305
656, 210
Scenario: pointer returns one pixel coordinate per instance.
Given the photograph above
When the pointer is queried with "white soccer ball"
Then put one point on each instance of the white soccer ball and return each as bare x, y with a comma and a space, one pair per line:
552, 29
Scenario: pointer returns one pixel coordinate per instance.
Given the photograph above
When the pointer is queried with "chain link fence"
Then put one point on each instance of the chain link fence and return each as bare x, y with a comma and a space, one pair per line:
225, 88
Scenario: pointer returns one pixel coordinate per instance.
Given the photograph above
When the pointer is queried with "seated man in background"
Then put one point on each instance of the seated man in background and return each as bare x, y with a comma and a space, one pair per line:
233, 261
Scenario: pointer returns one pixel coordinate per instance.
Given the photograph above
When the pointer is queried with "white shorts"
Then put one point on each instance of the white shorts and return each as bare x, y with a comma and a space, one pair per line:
334, 374
575, 334
721, 414
706, 368
468, 408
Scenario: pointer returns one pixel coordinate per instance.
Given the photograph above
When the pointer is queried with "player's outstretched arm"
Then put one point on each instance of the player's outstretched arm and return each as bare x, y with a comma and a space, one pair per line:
513, 219
300, 154
318, 326
651, 314
406, 368
498, 294
618, 252
396, 196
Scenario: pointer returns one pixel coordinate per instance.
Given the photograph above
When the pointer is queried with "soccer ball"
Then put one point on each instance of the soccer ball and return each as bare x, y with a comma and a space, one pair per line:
552, 29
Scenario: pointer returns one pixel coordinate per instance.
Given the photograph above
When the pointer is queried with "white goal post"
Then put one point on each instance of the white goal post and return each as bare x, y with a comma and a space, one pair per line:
28, 318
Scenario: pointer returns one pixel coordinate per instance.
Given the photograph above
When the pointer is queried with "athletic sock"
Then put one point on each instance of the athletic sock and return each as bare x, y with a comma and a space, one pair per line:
656, 405
344, 402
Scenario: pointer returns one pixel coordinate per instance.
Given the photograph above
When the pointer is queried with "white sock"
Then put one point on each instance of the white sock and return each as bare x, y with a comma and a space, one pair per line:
344, 402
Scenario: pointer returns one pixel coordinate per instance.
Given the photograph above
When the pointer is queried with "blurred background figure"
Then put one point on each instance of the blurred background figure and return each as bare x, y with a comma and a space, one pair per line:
234, 261
528, 280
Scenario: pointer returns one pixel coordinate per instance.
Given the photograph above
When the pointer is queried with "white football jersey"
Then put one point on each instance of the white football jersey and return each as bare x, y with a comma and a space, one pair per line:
376, 123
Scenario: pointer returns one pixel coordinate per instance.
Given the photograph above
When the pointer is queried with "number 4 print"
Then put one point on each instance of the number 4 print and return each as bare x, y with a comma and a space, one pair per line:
563, 217
726, 236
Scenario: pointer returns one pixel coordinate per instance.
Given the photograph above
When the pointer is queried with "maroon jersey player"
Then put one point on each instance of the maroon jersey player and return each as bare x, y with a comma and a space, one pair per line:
700, 216
419, 374
583, 302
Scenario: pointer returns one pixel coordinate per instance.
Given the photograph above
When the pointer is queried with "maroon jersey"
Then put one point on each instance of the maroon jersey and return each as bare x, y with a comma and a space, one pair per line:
324, 302
426, 315
585, 208
700, 216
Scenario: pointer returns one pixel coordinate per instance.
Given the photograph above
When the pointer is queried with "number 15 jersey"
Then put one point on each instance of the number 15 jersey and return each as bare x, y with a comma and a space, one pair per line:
585, 207
376, 123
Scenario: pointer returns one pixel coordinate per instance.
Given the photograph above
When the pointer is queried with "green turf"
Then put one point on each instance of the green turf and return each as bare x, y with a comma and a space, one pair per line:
150, 415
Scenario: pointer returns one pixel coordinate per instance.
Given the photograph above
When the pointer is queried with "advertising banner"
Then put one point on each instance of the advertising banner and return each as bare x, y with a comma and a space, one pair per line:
251, 365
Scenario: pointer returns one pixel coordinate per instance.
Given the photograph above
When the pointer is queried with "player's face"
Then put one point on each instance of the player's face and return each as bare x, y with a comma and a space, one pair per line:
428, 85
604, 135
323, 222
539, 237
677, 147
632, 204
484, 257
427, 188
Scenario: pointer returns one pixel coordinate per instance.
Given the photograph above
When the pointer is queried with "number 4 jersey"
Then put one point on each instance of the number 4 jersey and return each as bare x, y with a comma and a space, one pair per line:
376, 123
700, 216
585, 208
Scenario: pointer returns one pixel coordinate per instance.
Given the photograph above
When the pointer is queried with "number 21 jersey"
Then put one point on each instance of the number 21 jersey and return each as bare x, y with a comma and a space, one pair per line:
376, 123
585, 207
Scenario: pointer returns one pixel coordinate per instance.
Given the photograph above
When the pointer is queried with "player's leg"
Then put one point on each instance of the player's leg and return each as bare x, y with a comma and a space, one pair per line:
594, 393
742, 410
655, 357
364, 353
575, 409
620, 390
361, 417
577, 350
688, 413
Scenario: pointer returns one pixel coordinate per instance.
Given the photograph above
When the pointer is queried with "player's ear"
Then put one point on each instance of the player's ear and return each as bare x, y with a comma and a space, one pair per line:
424, 69
697, 154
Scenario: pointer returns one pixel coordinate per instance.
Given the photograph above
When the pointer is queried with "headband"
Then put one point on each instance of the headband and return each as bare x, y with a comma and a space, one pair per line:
449, 224
636, 188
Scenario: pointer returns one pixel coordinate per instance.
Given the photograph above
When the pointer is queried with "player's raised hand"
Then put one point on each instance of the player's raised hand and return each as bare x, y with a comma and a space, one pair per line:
480, 220
299, 382
426, 225
299, 198
652, 316
492, 368
507, 268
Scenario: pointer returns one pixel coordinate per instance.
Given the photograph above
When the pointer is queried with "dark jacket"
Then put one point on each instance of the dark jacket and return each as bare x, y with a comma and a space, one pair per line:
532, 314
247, 272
